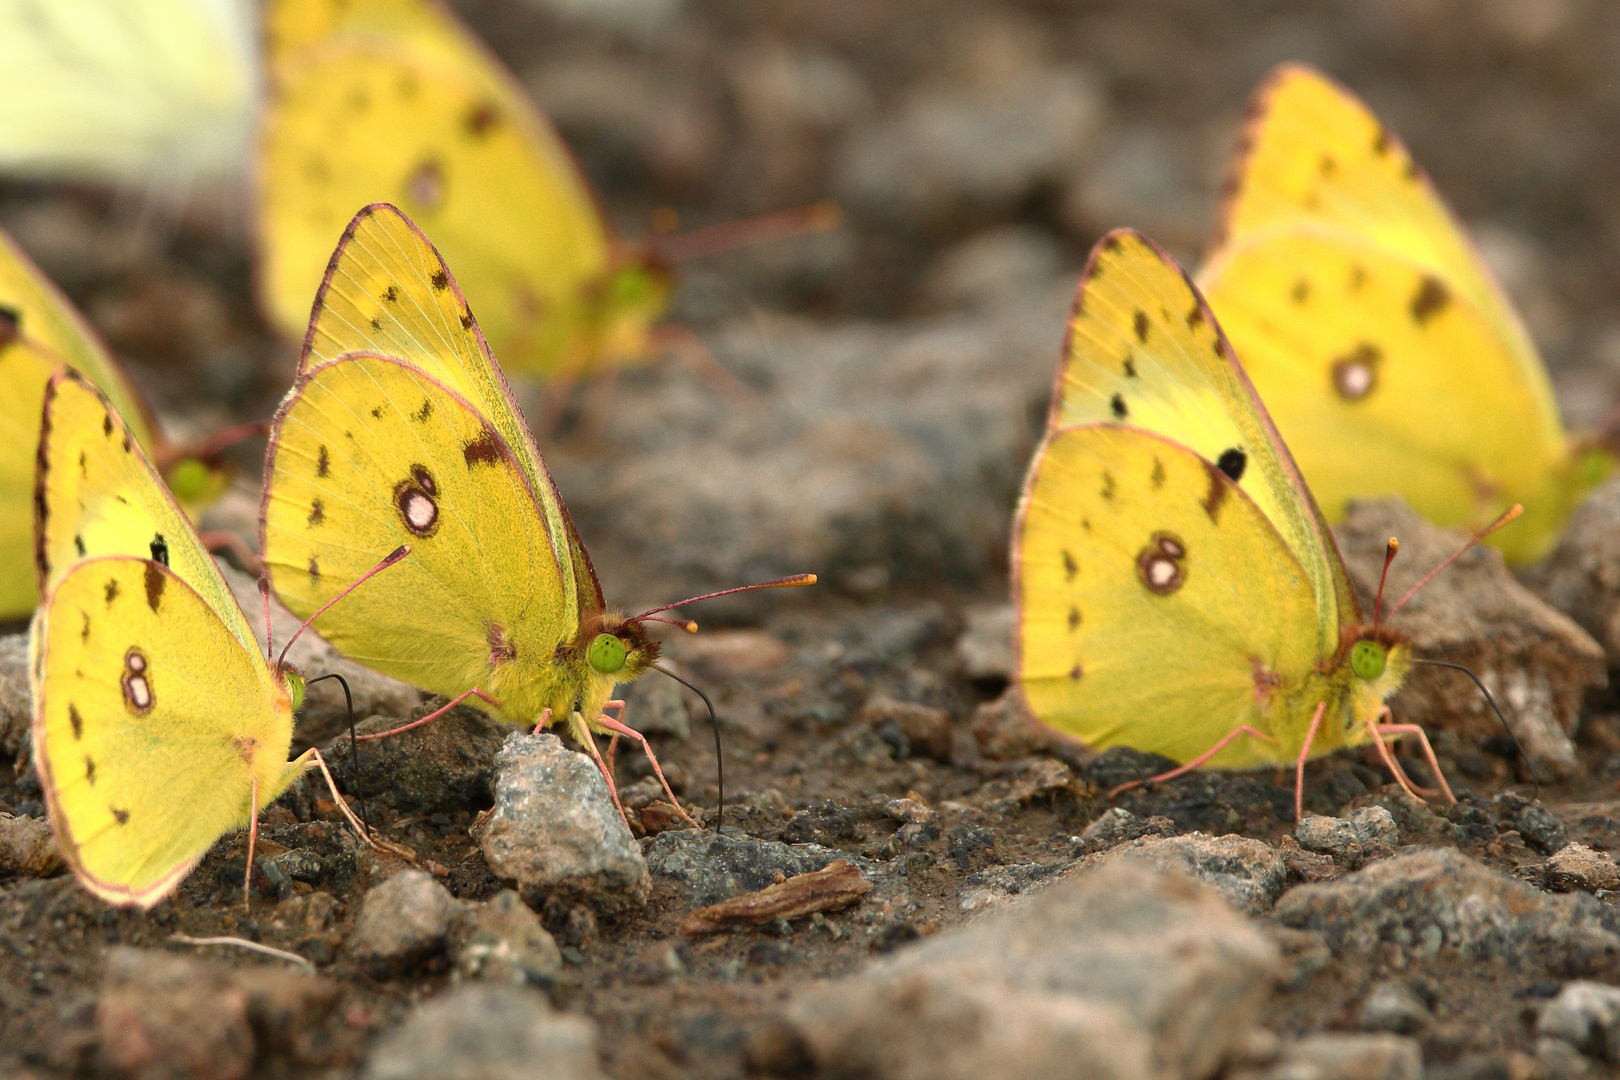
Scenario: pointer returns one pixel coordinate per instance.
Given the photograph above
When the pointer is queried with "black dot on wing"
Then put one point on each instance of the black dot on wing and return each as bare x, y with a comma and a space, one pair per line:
75, 720
111, 590
1076, 672
1300, 292
467, 319
376, 412
314, 569
1157, 478
1117, 405
1074, 619
376, 322
1139, 323
1430, 299
1232, 462
121, 815
1327, 165
78, 544
323, 462
390, 295
155, 582
421, 415
440, 281
1130, 368
317, 513
159, 548
1070, 567
90, 770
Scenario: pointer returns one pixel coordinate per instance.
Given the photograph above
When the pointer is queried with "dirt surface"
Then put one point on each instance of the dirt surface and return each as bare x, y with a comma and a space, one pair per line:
722, 109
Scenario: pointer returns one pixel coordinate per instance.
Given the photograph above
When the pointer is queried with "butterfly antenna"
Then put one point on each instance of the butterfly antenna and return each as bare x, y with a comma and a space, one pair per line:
719, 759
269, 632
1507, 515
782, 225
354, 743
778, 583
389, 560
1535, 780
1393, 546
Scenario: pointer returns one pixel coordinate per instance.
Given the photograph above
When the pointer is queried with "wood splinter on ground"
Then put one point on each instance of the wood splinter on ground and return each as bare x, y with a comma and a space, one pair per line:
835, 886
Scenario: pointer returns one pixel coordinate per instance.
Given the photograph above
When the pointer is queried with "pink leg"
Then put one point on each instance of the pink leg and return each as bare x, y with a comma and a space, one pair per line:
613, 743
619, 728
429, 718
375, 843
1299, 766
683, 345
215, 539
540, 724
583, 733
253, 837
1241, 729
1380, 730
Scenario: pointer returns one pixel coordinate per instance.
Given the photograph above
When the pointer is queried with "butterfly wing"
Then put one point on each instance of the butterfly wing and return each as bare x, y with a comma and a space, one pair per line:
1144, 350
369, 453
137, 91
97, 494
24, 369
1388, 355
151, 723
408, 108
1159, 607
388, 292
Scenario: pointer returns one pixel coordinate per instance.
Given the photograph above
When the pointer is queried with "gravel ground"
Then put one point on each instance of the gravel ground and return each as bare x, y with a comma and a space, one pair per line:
995, 915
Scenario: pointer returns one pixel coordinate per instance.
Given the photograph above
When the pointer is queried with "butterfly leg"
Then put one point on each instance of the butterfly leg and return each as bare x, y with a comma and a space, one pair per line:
430, 717
224, 539
613, 743
1299, 766
253, 837
582, 733
680, 343
620, 728
540, 724
1181, 770
375, 843
1386, 728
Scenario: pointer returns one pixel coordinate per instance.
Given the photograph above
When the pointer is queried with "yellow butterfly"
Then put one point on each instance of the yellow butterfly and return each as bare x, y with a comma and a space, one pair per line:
39, 330
158, 726
395, 100
1178, 590
400, 430
1391, 359
155, 93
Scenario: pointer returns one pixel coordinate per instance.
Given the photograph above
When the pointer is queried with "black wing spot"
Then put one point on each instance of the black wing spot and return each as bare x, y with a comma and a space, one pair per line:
440, 281
1074, 618
1130, 368
1301, 291
1158, 473
1381, 141
107, 425
10, 323
323, 462
159, 546
120, 814
317, 513
1140, 324
1076, 672
156, 580
483, 450
376, 412
1326, 165
421, 415
1195, 317
1232, 462
111, 590
482, 119
78, 544
1216, 495
376, 322
1070, 567
467, 319
1117, 404
90, 770
1431, 298
1108, 486
76, 721
314, 569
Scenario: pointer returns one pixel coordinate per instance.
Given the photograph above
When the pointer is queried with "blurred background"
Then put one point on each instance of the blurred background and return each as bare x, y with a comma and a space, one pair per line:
899, 366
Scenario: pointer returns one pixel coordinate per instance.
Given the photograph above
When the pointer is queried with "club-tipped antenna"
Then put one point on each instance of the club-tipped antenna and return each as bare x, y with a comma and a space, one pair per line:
354, 743
1529, 765
688, 625
388, 560
719, 759
782, 225
1507, 515
1390, 551
778, 583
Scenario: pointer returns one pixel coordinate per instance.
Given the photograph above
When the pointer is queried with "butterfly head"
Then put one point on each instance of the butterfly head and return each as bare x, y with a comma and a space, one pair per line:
616, 648
292, 680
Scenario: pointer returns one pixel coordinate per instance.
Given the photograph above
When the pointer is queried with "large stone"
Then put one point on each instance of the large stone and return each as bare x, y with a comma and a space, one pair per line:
711, 868
1120, 972
163, 1016
1534, 659
1426, 902
1582, 575
1250, 873
448, 764
16, 701
554, 830
985, 648
1586, 1015
486, 1033
403, 921
503, 941
26, 848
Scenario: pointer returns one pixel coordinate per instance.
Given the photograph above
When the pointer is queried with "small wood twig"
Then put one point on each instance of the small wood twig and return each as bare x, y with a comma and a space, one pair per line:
243, 943
835, 886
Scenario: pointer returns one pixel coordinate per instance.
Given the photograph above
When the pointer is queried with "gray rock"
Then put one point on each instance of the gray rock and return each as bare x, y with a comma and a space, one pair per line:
16, 702
554, 830
1426, 901
503, 941
26, 848
985, 648
1576, 866
1249, 873
324, 713
1347, 837
1118, 972
1582, 575
994, 267
1561, 1060
1586, 1015
1534, 659
1333, 1056
711, 868
946, 150
486, 1033
402, 922
1395, 1007
448, 764
1117, 825
997, 885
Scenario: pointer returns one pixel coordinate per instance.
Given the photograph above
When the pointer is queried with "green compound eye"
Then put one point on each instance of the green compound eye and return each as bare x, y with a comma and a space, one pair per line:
188, 479
1367, 659
295, 688
606, 654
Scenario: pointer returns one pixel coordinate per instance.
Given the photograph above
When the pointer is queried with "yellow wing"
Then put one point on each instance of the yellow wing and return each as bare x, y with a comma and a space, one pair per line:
400, 103
389, 293
158, 93
151, 723
368, 454
1390, 358
24, 368
1144, 350
97, 494
1159, 607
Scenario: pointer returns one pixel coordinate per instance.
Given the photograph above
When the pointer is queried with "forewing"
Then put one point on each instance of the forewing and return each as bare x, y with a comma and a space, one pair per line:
24, 369
1155, 598
1145, 351
368, 454
150, 722
97, 494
